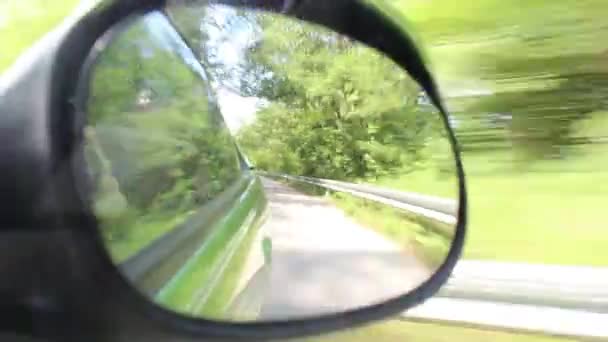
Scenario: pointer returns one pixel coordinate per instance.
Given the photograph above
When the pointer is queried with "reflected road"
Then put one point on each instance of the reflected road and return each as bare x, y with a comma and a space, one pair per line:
321, 260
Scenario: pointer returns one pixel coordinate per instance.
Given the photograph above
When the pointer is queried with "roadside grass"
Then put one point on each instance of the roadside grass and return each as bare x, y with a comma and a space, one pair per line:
428, 244
550, 216
552, 213
397, 331
24, 22
424, 182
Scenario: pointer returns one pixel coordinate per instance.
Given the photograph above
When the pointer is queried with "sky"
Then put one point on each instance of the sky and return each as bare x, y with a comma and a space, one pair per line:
237, 110
231, 45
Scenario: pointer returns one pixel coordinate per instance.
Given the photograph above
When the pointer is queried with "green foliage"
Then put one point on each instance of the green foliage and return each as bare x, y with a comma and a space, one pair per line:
336, 109
157, 147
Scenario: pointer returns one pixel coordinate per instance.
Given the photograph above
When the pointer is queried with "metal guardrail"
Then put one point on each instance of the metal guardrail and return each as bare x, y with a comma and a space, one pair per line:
516, 318
566, 287
440, 212
567, 301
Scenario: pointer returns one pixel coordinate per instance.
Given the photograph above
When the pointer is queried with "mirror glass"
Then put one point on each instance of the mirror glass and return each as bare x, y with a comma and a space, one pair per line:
249, 166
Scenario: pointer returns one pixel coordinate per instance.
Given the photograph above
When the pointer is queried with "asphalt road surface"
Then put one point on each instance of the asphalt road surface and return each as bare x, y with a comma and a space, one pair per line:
323, 261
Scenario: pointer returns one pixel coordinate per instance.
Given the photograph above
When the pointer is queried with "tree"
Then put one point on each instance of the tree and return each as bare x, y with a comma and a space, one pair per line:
337, 109
153, 131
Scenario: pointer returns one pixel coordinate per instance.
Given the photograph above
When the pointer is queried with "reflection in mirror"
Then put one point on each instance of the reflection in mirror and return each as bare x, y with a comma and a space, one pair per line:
354, 196
171, 194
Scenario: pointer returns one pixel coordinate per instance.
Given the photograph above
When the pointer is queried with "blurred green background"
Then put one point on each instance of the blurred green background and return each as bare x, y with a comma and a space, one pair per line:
24, 22
526, 83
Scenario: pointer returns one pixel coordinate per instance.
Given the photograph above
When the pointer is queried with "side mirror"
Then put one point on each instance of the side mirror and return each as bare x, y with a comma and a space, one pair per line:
200, 247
